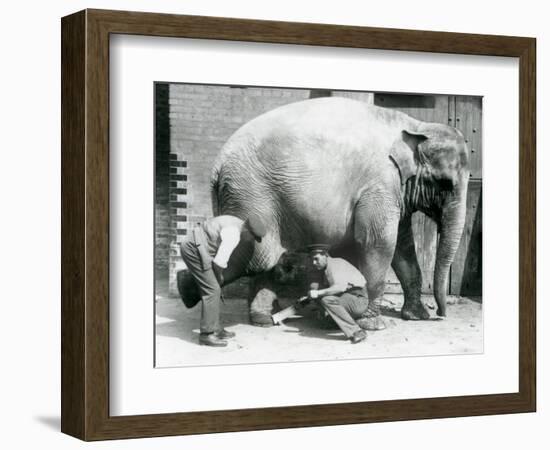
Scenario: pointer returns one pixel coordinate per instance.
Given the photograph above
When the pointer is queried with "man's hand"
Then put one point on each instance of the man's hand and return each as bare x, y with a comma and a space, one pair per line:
218, 272
313, 294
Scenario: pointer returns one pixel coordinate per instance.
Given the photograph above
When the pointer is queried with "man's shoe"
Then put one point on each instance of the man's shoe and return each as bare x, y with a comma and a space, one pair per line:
225, 334
358, 336
212, 340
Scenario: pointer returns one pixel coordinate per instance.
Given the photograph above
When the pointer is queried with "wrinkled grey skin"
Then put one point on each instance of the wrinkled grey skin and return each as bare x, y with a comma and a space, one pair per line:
342, 172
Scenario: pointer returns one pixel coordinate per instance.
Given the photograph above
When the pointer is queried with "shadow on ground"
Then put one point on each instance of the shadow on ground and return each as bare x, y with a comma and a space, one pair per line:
306, 338
52, 422
175, 320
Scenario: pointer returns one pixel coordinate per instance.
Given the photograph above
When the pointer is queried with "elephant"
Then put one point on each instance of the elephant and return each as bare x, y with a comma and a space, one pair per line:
348, 174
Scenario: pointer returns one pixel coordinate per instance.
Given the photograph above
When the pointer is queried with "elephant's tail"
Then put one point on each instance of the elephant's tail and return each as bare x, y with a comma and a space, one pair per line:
214, 189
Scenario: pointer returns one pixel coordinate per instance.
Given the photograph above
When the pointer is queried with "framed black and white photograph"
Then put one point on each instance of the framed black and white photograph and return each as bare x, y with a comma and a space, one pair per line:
284, 224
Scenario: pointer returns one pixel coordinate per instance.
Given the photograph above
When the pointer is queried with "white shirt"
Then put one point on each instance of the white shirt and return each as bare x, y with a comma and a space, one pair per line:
230, 237
339, 272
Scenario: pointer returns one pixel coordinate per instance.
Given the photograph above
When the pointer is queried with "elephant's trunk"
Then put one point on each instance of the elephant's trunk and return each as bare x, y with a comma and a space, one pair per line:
453, 217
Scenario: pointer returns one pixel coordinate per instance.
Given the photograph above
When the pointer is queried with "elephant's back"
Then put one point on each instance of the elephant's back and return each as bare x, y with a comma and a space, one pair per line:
316, 132
304, 140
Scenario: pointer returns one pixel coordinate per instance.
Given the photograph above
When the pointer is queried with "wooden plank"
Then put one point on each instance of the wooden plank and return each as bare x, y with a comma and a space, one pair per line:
468, 119
392, 283
418, 219
429, 251
429, 108
466, 270
528, 227
73, 225
425, 239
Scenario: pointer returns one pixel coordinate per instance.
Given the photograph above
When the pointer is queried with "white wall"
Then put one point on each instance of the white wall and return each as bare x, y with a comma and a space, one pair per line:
30, 174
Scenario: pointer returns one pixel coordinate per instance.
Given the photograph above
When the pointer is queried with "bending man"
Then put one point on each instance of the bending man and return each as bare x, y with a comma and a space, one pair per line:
206, 253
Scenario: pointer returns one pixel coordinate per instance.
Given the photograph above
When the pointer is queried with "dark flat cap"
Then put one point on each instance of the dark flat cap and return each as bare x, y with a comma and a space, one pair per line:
318, 248
256, 226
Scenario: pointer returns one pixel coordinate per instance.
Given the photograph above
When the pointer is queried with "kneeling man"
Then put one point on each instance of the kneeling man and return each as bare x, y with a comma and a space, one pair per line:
345, 299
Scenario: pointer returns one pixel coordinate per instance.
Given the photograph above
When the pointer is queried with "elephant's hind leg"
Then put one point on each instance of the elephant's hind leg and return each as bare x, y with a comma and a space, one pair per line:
405, 266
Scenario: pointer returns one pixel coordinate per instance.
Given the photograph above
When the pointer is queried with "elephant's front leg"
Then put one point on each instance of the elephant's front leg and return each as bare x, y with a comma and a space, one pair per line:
405, 266
375, 266
377, 236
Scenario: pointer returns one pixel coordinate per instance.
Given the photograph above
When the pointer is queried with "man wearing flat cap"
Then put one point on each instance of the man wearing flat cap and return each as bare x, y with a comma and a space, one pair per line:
206, 253
345, 299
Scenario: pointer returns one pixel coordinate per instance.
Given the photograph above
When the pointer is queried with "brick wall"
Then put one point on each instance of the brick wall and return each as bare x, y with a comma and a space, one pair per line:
162, 149
200, 119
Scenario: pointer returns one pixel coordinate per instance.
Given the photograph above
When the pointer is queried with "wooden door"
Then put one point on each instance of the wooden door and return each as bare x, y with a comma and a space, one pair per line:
466, 269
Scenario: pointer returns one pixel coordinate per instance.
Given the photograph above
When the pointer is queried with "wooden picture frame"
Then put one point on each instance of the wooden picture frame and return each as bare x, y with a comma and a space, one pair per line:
85, 224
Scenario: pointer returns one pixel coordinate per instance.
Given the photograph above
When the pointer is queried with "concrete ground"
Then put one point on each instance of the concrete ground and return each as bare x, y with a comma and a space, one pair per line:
303, 338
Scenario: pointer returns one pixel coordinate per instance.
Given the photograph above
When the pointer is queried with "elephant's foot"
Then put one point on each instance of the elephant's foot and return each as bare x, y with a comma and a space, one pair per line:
371, 319
414, 310
262, 306
375, 323
261, 320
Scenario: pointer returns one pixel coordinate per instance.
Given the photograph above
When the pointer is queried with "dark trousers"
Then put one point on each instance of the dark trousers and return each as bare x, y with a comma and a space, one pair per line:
345, 308
209, 287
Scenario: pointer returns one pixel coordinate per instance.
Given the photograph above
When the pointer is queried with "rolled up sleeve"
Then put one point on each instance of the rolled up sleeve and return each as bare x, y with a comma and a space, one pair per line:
230, 237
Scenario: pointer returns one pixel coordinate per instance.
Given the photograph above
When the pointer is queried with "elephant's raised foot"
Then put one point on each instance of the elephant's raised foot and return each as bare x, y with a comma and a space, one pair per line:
415, 311
263, 305
260, 320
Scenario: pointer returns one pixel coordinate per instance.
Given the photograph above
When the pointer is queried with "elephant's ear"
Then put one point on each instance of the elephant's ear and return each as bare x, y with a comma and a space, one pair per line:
405, 153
